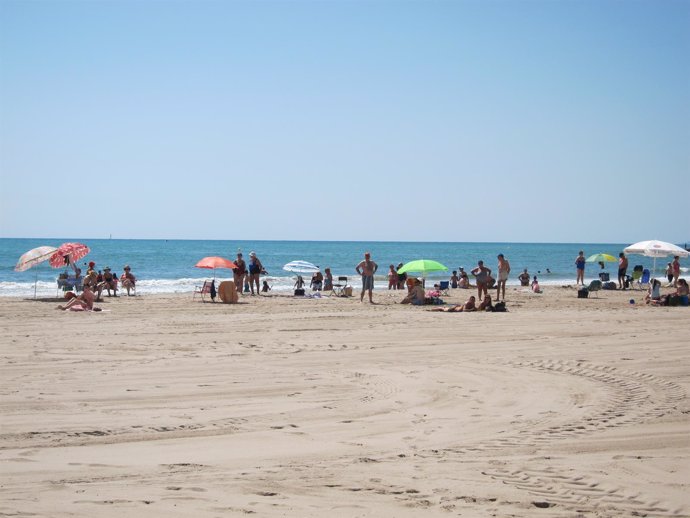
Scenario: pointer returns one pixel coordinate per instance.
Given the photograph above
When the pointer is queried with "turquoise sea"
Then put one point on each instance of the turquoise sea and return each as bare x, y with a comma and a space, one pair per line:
167, 266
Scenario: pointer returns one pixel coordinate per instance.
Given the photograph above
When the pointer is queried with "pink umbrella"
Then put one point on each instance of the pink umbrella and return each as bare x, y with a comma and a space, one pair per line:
211, 263
68, 254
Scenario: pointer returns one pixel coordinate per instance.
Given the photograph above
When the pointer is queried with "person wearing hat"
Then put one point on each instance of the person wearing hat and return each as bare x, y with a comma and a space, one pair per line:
128, 280
255, 269
367, 269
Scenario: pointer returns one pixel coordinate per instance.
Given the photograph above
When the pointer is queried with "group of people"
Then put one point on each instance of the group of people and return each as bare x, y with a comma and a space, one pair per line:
94, 283
677, 298
248, 275
672, 270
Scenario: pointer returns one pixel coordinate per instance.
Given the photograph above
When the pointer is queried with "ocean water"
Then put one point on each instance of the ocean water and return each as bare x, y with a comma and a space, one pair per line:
167, 266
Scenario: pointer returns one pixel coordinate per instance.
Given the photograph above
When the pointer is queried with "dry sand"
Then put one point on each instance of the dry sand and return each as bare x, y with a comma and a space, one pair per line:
161, 406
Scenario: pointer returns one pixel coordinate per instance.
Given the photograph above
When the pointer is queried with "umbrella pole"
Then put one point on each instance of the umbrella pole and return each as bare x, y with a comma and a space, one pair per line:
35, 284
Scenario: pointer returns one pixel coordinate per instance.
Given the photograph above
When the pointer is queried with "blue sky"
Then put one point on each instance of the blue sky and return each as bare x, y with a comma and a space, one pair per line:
535, 121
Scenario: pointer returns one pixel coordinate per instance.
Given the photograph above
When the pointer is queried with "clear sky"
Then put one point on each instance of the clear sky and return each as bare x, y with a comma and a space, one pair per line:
536, 121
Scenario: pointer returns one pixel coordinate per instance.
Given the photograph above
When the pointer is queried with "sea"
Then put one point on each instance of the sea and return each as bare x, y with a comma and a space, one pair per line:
167, 265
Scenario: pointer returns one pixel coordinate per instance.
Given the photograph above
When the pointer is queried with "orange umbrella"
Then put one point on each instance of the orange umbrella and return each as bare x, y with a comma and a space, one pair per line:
211, 263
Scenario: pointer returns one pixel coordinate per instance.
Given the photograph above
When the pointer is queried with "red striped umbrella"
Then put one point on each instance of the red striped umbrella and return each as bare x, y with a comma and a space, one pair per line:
68, 253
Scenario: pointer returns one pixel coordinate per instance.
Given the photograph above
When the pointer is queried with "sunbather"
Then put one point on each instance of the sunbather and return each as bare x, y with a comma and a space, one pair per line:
83, 302
470, 305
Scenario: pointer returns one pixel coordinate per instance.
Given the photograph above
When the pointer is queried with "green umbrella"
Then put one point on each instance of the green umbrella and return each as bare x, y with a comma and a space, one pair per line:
601, 258
422, 266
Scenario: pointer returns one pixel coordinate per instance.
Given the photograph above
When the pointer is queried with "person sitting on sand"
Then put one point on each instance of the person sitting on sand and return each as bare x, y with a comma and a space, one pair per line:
468, 306
83, 302
415, 293
535, 285
265, 288
464, 281
486, 305
677, 298
454, 279
128, 280
524, 278
654, 292
299, 283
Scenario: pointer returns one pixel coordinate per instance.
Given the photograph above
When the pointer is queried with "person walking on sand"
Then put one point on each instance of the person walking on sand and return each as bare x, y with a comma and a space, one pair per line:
622, 270
503, 271
580, 266
367, 269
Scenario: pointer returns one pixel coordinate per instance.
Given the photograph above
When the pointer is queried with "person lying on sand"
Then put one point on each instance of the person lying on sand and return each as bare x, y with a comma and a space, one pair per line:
486, 305
470, 305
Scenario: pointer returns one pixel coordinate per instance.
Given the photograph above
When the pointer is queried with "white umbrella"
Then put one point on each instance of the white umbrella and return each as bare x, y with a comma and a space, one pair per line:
301, 267
654, 248
32, 258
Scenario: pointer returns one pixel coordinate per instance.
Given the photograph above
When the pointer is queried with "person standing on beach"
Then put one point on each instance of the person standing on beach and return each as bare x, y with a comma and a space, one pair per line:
239, 272
255, 269
676, 270
622, 270
481, 274
580, 266
503, 271
367, 269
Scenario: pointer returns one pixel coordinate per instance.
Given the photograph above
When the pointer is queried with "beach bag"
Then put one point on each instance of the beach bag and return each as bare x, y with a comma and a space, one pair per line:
582, 293
609, 286
299, 292
500, 307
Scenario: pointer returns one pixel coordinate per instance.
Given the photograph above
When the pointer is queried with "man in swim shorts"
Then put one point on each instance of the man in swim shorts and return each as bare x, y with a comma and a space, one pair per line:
503, 271
367, 269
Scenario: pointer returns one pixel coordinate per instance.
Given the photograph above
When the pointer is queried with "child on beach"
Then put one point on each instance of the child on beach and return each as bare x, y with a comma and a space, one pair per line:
265, 288
535, 285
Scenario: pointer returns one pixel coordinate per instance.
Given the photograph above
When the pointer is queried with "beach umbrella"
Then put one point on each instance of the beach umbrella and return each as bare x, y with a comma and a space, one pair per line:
422, 266
211, 263
654, 248
68, 254
301, 267
34, 257
601, 258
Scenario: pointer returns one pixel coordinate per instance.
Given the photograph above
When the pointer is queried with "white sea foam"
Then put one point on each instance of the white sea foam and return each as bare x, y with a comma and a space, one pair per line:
278, 284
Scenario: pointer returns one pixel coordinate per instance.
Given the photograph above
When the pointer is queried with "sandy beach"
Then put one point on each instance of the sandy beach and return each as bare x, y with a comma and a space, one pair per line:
164, 406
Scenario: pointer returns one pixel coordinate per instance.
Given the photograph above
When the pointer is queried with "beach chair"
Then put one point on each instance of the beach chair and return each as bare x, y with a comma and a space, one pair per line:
340, 286
208, 288
644, 279
443, 287
594, 286
68, 283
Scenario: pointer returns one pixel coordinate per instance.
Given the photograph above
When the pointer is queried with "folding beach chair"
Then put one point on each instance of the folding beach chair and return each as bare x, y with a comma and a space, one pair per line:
443, 287
208, 288
340, 286
594, 286
644, 280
